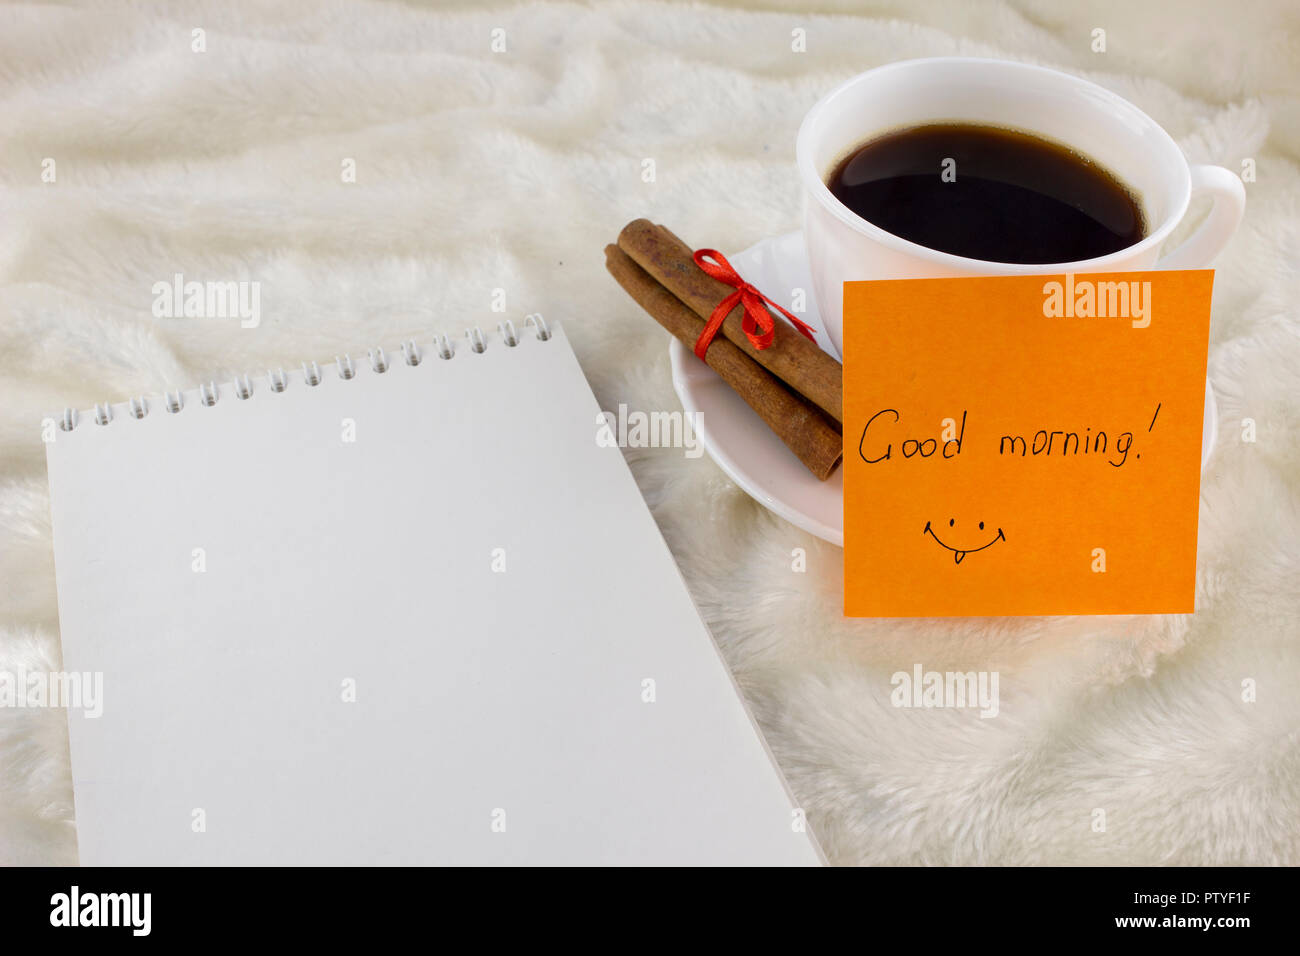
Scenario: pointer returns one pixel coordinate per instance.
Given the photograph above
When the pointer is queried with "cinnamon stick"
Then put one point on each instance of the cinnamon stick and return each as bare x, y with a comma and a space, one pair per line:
796, 421
796, 360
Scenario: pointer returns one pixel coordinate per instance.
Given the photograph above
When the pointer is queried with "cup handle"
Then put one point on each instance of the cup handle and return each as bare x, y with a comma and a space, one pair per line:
1229, 195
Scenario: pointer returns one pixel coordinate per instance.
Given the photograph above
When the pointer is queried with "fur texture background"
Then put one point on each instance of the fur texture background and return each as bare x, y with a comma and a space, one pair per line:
479, 170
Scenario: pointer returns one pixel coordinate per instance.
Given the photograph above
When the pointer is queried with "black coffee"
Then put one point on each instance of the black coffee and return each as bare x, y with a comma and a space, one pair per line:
988, 193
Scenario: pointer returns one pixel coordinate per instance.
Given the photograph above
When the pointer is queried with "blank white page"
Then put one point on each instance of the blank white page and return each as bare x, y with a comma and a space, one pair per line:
430, 644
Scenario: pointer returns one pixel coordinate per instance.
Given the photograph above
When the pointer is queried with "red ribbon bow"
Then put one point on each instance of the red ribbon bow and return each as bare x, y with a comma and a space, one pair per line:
758, 324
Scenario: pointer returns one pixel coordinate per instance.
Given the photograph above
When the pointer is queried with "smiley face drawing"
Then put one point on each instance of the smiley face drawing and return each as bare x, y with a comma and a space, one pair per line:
957, 555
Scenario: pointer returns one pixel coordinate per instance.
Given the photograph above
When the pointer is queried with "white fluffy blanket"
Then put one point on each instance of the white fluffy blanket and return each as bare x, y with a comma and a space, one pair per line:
479, 170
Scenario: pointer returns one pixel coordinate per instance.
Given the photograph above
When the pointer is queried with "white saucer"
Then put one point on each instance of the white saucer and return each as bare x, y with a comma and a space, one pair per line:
745, 448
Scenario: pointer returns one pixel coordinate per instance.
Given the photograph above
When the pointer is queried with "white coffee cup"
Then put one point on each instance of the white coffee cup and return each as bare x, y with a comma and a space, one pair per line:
1107, 128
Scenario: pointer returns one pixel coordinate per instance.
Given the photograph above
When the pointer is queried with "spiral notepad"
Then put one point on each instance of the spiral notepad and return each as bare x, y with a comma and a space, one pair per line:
395, 609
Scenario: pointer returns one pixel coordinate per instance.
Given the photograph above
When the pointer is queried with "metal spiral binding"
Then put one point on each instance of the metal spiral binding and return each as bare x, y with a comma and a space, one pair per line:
535, 321
209, 393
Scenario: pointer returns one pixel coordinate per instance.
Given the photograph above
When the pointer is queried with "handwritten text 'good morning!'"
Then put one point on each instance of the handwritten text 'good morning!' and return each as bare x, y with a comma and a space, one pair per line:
885, 439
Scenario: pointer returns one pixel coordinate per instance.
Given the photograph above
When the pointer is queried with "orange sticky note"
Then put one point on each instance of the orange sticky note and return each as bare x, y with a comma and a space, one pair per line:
1023, 444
